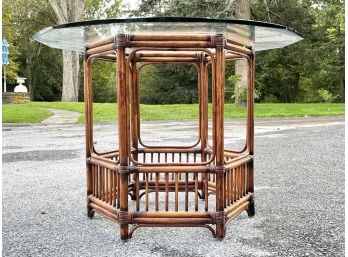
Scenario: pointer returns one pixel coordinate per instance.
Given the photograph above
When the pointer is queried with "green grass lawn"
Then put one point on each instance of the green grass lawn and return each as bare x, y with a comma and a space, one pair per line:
23, 113
106, 112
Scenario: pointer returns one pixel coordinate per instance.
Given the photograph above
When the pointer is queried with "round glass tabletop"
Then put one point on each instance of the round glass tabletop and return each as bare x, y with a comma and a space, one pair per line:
259, 35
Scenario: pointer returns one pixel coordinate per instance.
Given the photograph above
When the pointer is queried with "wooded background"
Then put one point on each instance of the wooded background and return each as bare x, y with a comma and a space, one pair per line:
309, 71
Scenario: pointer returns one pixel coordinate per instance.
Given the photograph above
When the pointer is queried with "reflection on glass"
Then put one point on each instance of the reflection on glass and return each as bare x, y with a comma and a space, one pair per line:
259, 35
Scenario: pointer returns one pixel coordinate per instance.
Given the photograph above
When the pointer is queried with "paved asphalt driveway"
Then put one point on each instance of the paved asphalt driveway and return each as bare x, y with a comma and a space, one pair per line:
299, 179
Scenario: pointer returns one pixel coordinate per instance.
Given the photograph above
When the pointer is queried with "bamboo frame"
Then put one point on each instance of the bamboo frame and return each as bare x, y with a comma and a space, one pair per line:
145, 186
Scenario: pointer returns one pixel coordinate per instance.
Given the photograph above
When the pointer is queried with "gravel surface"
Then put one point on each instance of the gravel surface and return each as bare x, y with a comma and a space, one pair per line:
299, 179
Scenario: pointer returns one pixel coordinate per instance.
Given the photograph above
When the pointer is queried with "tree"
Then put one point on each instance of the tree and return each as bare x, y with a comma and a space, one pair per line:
242, 11
296, 73
330, 30
192, 8
103, 73
46, 74
99, 9
168, 84
69, 11
26, 18
165, 84
8, 31
41, 65
279, 71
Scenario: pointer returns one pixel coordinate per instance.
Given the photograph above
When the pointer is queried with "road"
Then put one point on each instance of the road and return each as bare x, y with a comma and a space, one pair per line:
299, 179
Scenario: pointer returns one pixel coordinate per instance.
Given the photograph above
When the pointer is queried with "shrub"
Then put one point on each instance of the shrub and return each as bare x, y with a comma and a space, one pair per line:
271, 99
325, 96
241, 92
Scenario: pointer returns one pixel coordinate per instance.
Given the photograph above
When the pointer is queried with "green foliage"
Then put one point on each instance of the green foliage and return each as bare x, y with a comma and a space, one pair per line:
297, 73
104, 82
172, 83
291, 74
325, 96
47, 75
306, 94
192, 8
99, 9
8, 32
277, 74
41, 65
270, 99
240, 91
230, 87
33, 61
233, 79
168, 84
328, 54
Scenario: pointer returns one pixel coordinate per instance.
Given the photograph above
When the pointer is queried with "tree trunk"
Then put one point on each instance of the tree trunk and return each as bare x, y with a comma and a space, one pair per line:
31, 55
69, 11
71, 66
242, 11
343, 92
30, 83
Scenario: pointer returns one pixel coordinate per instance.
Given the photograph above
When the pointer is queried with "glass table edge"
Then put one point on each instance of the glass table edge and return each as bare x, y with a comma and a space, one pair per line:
173, 19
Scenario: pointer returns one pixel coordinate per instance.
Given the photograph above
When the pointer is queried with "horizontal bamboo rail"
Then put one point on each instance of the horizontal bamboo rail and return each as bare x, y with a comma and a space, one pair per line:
181, 215
237, 211
169, 150
171, 37
167, 59
238, 204
238, 162
102, 48
238, 43
103, 205
104, 212
172, 220
173, 169
238, 49
103, 163
100, 42
168, 54
172, 44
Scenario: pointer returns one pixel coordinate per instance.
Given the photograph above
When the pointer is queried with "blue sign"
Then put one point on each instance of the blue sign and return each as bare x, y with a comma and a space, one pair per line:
5, 52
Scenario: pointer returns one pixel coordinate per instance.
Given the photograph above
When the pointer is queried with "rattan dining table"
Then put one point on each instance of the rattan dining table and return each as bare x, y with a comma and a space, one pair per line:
204, 184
